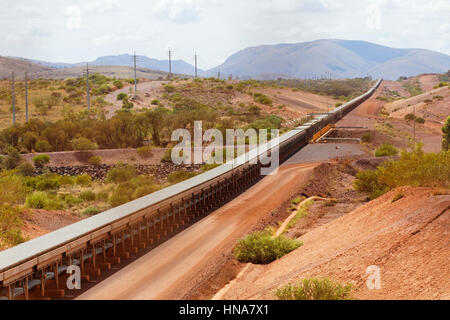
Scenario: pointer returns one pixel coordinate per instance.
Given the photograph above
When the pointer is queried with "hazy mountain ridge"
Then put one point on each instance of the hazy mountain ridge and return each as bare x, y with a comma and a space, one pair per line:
335, 58
320, 58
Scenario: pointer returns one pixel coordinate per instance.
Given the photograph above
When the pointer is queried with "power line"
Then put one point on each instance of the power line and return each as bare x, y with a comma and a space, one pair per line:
26, 96
170, 65
13, 98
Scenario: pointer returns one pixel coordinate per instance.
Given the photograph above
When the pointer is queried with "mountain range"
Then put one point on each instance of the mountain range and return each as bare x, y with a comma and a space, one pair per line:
321, 58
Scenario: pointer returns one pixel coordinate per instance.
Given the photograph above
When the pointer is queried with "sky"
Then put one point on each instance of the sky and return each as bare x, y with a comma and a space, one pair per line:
82, 30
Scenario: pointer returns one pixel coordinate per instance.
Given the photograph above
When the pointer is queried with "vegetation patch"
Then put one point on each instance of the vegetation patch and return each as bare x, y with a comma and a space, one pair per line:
261, 248
386, 150
315, 289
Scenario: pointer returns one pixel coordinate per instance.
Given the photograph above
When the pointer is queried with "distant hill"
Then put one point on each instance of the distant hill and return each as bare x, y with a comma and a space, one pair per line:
126, 60
335, 58
19, 66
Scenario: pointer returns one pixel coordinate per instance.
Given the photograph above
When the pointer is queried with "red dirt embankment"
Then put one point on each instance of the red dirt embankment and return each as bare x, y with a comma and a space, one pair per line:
407, 239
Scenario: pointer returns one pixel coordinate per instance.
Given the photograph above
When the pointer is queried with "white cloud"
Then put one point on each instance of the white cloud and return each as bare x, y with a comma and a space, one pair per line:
73, 15
179, 11
331, 4
373, 17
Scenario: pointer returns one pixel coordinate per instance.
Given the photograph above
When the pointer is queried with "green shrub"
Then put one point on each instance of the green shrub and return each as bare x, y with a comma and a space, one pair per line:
83, 180
254, 109
43, 146
446, 135
207, 167
315, 289
169, 88
95, 160
167, 157
26, 169
145, 152
122, 96
37, 200
12, 189
47, 184
155, 102
414, 168
121, 173
263, 99
41, 160
179, 176
10, 223
367, 138
91, 211
118, 84
261, 248
12, 158
385, 150
145, 190
66, 180
87, 195
420, 120
70, 200
82, 144
118, 199
102, 196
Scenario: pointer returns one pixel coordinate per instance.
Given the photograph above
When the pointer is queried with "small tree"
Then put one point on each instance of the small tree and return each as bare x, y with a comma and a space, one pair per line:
82, 143
446, 135
41, 160
12, 158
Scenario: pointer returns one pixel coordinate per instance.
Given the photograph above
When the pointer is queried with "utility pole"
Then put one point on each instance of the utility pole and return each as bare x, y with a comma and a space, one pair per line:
87, 88
13, 99
135, 79
196, 75
218, 75
26, 96
414, 126
170, 65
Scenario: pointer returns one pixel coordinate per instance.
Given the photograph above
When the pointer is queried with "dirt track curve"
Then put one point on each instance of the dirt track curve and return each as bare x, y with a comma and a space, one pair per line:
171, 270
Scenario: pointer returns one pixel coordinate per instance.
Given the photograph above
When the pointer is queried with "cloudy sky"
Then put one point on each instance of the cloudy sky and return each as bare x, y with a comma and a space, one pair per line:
82, 30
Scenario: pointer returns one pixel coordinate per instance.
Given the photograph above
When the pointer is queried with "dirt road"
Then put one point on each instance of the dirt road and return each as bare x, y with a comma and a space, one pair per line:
171, 270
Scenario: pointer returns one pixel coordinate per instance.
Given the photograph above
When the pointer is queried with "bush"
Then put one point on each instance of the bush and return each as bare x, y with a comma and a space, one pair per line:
414, 168
385, 150
121, 173
263, 99
179, 176
26, 169
122, 96
95, 160
261, 248
315, 289
91, 211
70, 200
446, 135
87, 195
37, 200
155, 102
12, 158
65, 180
145, 152
167, 157
420, 120
410, 117
12, 190
169, 88
145, 190
118, 84
41, 160
367, 138
43, 146
10, 223
47, 184
83, 180
102, 196
82, 144
254, 109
